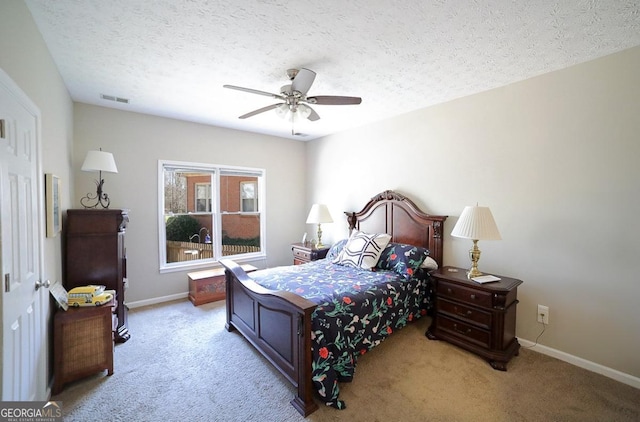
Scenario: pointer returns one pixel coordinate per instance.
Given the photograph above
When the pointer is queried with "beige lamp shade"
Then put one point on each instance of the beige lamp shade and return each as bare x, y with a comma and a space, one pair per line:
99, 161
476, 223
319, 214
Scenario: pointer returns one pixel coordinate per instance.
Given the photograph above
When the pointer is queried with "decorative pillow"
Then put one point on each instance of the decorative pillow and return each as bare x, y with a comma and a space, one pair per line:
335, 250
362, 250
403, 259
429, 263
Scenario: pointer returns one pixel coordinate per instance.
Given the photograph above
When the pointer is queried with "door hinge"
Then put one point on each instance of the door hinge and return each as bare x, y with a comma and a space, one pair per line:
7, 282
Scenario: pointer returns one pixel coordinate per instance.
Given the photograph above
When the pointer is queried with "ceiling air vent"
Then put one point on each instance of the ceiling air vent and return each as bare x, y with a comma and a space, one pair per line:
113, 98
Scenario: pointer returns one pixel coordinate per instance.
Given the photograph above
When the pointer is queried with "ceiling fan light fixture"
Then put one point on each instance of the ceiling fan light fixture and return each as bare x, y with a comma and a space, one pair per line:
283, 111
292, 97
296, 117
304, 111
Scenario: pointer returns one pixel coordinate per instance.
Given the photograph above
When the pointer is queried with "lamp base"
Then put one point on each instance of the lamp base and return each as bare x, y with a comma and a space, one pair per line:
101, 198
473, 272
319, 245
474, 255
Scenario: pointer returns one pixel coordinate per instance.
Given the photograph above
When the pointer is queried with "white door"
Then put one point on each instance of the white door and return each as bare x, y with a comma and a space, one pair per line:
24, 308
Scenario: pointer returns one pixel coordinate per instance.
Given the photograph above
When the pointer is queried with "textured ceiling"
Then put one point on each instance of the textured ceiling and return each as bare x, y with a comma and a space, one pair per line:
171, 57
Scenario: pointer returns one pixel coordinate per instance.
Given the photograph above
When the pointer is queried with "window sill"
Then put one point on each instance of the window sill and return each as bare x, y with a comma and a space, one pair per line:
257, 260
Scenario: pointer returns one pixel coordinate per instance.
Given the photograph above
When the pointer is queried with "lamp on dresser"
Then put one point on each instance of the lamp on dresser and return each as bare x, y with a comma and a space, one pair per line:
476, 223
98, 161
319, 214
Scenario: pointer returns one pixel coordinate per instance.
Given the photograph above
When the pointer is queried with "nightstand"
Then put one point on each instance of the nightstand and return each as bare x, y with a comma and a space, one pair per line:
304, 252
480, 318
83, 342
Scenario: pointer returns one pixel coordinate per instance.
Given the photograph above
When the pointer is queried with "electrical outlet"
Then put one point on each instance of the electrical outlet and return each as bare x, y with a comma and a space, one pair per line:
543, 314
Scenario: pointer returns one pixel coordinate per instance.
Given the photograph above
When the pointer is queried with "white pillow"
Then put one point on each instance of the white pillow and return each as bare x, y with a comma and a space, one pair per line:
362, 250
429, 263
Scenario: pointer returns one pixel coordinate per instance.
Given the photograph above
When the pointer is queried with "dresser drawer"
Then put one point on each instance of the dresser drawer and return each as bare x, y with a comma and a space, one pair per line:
301, 254
458, 310
464, 294
466, 331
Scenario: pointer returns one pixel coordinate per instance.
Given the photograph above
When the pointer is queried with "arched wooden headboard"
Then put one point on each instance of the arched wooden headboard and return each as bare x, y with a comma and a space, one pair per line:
392, 213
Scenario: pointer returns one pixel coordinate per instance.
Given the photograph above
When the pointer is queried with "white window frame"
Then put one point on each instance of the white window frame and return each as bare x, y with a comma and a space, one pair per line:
209, 203
217, 170
254, 206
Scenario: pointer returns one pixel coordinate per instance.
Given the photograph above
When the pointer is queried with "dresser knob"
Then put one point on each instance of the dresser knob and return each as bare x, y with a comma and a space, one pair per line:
467, 331
462, 314
449, 291
473, 297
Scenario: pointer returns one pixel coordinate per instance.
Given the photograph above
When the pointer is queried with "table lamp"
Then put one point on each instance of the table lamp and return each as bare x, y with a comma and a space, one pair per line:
98, 161
319, 214
476, 223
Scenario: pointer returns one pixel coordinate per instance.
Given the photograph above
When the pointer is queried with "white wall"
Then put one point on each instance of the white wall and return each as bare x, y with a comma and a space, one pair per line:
25, 58
138, 141
27, 61
556, 159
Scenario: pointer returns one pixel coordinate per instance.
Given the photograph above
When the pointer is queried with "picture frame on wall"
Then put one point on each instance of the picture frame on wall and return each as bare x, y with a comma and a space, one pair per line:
53, 187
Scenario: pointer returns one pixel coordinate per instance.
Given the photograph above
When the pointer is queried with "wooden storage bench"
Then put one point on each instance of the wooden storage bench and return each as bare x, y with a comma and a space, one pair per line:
208, 285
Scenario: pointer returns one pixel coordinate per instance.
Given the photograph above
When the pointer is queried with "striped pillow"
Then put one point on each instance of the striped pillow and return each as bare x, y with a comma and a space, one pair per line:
362, 250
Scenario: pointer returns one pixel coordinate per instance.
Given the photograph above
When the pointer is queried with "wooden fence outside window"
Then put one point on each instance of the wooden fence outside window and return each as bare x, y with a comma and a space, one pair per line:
190, 251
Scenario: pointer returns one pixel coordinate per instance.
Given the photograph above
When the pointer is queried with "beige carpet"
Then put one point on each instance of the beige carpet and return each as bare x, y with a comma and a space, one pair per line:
181, 365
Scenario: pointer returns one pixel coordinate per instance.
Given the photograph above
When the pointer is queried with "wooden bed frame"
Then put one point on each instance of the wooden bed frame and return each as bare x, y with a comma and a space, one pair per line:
278, 323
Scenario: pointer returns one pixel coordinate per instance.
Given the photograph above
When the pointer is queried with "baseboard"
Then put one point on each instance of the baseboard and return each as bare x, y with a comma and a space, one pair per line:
156, 300
566, 357
583, 363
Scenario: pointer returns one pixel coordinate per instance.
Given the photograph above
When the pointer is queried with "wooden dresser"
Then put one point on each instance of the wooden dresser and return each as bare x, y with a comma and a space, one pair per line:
95, 253
478, 317
304, 252
82, 343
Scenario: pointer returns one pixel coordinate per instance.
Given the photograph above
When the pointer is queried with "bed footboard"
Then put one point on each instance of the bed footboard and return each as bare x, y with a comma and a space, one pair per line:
278, 324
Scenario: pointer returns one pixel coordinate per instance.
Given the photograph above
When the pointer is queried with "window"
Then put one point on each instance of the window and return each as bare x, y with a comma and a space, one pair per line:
248, 197
207, 212
203, 197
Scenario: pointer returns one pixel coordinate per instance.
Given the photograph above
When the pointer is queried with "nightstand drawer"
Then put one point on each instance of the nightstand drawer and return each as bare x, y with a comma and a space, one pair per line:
471, 315
464, 294
302, 254
468, 332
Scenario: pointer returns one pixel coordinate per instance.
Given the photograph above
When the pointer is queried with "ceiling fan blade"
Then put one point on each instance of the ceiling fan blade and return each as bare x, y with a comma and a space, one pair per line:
254, 91
313, 116
260, 110
303, 81
333, 100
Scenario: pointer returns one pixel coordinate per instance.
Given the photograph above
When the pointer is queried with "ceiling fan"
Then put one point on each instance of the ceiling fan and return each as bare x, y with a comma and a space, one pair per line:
294, 99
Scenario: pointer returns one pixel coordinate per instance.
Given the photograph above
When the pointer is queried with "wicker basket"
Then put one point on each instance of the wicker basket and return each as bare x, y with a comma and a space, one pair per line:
83, 343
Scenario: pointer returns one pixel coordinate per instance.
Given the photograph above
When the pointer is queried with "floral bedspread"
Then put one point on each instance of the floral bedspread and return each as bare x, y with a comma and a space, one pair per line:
357, 309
